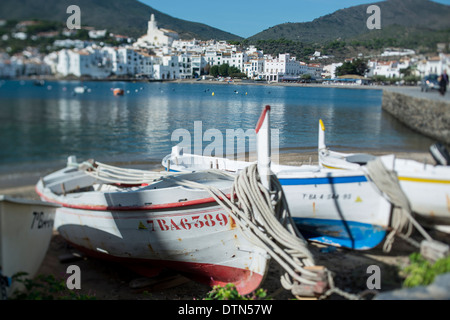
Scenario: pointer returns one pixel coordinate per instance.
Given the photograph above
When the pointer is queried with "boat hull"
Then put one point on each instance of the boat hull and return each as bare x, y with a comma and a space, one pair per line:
342, 210
26, 228
334, 207
157, 226
426, 186
201, 242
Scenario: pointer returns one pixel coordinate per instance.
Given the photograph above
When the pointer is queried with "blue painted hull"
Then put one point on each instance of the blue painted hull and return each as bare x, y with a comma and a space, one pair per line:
337, 210
348, 234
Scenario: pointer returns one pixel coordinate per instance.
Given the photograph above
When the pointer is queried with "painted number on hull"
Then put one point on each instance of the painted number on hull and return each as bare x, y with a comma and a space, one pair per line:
329, 196
193, 222
39, 222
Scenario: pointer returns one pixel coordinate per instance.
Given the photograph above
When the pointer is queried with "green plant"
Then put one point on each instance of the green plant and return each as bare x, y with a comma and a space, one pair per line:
420, 272
229, 292
46, 287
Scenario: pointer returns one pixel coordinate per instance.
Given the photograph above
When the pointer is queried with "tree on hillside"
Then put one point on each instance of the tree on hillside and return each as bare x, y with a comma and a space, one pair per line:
357, 67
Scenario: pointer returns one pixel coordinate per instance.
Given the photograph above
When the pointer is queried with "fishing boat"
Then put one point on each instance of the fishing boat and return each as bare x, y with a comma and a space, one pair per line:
39, 83
118, 92
427, 186
340, 208
154, 225
79, 90
152, 221
25, 232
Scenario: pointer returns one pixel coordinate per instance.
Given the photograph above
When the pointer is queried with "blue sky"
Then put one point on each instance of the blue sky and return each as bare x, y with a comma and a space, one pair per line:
248, 17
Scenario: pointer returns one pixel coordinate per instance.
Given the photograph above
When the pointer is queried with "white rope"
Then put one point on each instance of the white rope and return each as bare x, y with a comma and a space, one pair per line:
402, 219
265, 220
116, 175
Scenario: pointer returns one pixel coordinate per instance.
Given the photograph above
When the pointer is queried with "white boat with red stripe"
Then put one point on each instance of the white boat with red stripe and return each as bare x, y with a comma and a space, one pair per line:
157, 225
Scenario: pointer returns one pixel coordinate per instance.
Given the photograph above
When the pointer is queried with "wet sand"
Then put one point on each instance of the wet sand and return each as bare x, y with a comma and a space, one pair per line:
110, 281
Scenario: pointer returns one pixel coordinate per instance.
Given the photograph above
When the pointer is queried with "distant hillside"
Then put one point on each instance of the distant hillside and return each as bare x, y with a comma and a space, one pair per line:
128, 17
403, 16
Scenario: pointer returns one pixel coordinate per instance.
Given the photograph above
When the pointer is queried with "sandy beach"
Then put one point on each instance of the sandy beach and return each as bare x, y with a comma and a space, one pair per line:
109, 281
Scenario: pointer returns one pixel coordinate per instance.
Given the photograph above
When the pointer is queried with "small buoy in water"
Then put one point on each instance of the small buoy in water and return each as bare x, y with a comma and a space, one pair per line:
213, 93
246, 93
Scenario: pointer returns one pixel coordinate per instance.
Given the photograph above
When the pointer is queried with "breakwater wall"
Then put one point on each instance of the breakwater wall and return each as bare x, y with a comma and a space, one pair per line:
428, 115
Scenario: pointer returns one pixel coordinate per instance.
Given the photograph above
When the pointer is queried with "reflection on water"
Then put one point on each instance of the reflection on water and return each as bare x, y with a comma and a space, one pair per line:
42, 125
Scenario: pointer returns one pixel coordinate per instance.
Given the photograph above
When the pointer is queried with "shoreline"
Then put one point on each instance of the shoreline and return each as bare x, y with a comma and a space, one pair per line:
201, 81
106, 280
21, 184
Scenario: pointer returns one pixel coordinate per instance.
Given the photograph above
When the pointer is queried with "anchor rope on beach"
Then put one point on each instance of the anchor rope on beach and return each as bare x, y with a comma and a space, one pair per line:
272, 229
402, 221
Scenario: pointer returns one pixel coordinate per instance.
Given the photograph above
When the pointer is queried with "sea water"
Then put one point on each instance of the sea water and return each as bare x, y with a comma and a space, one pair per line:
42, 125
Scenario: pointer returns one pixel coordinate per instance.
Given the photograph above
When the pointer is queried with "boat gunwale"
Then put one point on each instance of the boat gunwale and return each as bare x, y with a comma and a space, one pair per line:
152, 207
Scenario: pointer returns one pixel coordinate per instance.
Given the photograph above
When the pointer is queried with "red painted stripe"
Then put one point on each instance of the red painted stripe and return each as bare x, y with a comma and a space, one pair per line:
261, 118
141, 217
130, 208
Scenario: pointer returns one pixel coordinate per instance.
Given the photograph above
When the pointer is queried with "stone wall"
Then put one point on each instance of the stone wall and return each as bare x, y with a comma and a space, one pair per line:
430, 117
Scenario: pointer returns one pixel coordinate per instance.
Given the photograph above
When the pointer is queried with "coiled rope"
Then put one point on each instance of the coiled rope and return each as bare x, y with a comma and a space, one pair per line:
265, 220
402, 221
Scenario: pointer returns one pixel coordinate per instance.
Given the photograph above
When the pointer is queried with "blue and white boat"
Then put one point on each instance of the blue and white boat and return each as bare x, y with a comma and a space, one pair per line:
339, 208
426, 185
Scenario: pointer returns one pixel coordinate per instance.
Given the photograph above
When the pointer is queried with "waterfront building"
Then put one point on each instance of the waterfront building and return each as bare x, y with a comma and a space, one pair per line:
434, 65
86, 62
254, 68
329, 71
287, 68
388, 69
20, 65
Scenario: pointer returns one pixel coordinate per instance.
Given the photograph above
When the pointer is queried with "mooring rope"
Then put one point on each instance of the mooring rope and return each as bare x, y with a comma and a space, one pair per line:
271, 229
116, 175
402, 221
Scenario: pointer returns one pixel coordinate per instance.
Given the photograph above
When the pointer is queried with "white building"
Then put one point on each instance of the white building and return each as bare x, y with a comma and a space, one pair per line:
287, 68
86, 62
20, 65
388, 69
97, 34
156, 36
254, 68
397, 52
329, 71
434, 65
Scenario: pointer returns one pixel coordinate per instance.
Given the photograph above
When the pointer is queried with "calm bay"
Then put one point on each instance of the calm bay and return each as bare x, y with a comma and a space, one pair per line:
42, 125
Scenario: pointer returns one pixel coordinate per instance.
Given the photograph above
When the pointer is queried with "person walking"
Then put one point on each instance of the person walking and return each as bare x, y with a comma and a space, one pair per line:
443, 83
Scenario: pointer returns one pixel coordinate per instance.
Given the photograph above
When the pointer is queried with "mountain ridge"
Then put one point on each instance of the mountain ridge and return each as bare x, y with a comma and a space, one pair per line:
127, 17
351, 22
